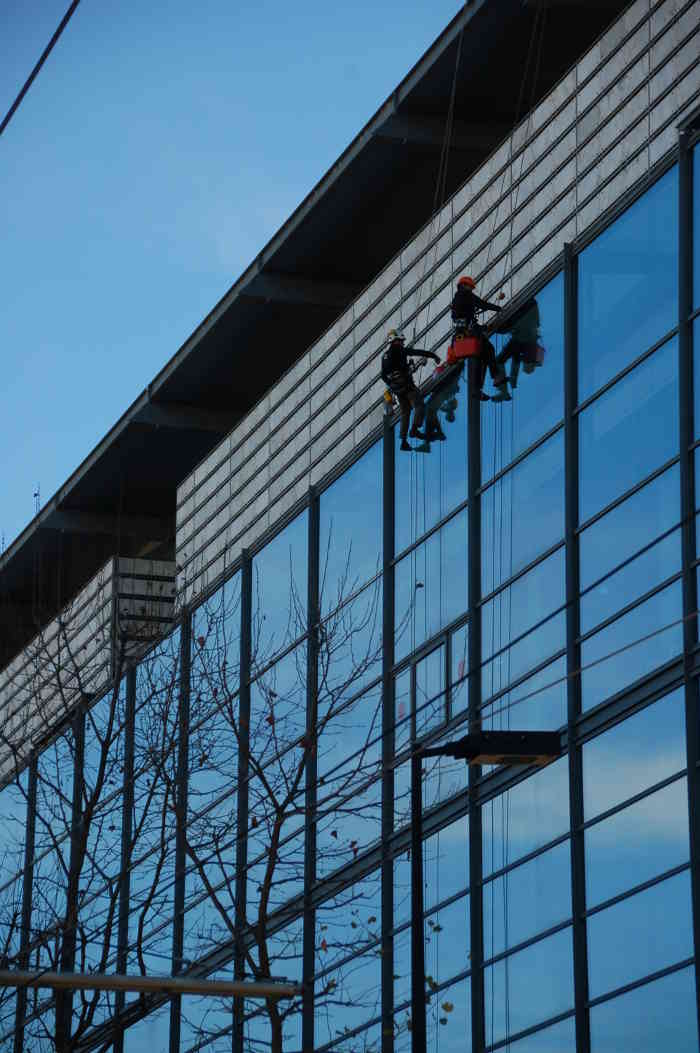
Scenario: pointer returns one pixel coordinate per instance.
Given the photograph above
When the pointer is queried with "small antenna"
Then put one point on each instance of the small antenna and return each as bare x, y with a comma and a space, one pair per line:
2, 541
37, 499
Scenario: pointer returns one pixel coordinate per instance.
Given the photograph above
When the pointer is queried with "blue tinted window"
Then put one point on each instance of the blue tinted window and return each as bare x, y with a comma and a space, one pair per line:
628, 286
150, 1033
538, 400
642, 934
350, 646
536, 704
529, 986
433, 481
280, 591
351, 529
527, 899
538, 812
629, 431
696, 365
628, 528
632, 646
637, 844
660, 1015
516, 610
431, 586
637, 753
13, 816
561, 1038
522, 514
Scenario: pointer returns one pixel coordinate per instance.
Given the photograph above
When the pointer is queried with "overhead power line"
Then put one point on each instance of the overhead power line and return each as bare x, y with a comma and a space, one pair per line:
44, 55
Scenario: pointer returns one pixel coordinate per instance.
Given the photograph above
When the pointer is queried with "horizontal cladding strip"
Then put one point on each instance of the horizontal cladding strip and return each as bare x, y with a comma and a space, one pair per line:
15, 686
561, 197
503, 199
20, 662
550, 237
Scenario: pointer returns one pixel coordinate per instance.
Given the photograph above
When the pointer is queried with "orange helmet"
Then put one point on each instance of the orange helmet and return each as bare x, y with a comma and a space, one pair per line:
466, 280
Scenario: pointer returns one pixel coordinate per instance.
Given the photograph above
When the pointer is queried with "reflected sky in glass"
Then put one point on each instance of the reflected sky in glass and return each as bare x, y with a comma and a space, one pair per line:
628, 286
657, 1016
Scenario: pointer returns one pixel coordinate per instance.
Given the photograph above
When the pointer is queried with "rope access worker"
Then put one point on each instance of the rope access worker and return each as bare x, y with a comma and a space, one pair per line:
465, 306
397, 374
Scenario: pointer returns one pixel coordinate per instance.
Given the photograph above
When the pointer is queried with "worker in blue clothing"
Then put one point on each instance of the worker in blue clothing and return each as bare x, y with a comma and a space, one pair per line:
397, 374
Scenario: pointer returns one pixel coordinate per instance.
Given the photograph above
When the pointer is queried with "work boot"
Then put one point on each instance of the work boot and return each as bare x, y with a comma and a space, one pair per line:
414, 433
481, 395
502, 394
405, 445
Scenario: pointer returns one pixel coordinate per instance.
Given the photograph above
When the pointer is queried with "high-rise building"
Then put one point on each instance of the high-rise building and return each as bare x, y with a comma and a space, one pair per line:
225, 635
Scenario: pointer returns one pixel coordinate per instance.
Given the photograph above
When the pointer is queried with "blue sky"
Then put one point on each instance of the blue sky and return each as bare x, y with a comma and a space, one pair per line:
159, 149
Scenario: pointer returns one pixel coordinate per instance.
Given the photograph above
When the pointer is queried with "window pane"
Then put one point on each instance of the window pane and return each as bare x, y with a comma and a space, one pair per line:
640, 751
538, 401
660, 1015
634, 524
350, 646
561, 1038
534, 984
431, 586
527, 899
696, 345
637, 844
279, 591
522, 514
616, 668
629, 431
536, 704
351, 529
430, 484
538, 810
628, 285
430, 702
516, 610
640, 935
460, 668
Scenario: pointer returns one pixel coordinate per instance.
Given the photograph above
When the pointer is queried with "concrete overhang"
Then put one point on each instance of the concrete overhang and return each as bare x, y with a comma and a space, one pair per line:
380, 191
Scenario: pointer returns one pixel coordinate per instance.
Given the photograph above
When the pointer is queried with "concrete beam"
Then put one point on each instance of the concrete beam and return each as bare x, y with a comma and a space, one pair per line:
430, 131
182, 416
288, 288
72, 522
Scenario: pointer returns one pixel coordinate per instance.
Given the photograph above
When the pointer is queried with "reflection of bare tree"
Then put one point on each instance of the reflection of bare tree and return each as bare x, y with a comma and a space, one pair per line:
281, 739
80, 861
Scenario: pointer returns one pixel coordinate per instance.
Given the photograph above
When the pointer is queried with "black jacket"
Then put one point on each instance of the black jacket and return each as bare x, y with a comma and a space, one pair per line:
466, 304
395, 365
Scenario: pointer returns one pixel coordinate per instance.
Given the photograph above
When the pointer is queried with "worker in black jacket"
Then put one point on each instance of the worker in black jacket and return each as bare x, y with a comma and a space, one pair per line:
398, 376
465, 308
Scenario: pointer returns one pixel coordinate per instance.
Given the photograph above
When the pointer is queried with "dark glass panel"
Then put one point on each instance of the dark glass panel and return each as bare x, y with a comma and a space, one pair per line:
349, 781
628, 285
280, 591
522, 514
696, 229
538, 401
637, 753
696, 350
629, 527
515, 611
629, 431
656, 1016
430, 484
538, 812
632, 646
642, 934
638, 843
431, 586
529, 987
528, 899
351, 529
348, 961
52, 845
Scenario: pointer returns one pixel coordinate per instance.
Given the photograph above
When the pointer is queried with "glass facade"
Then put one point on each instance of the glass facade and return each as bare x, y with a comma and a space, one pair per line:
241, 803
